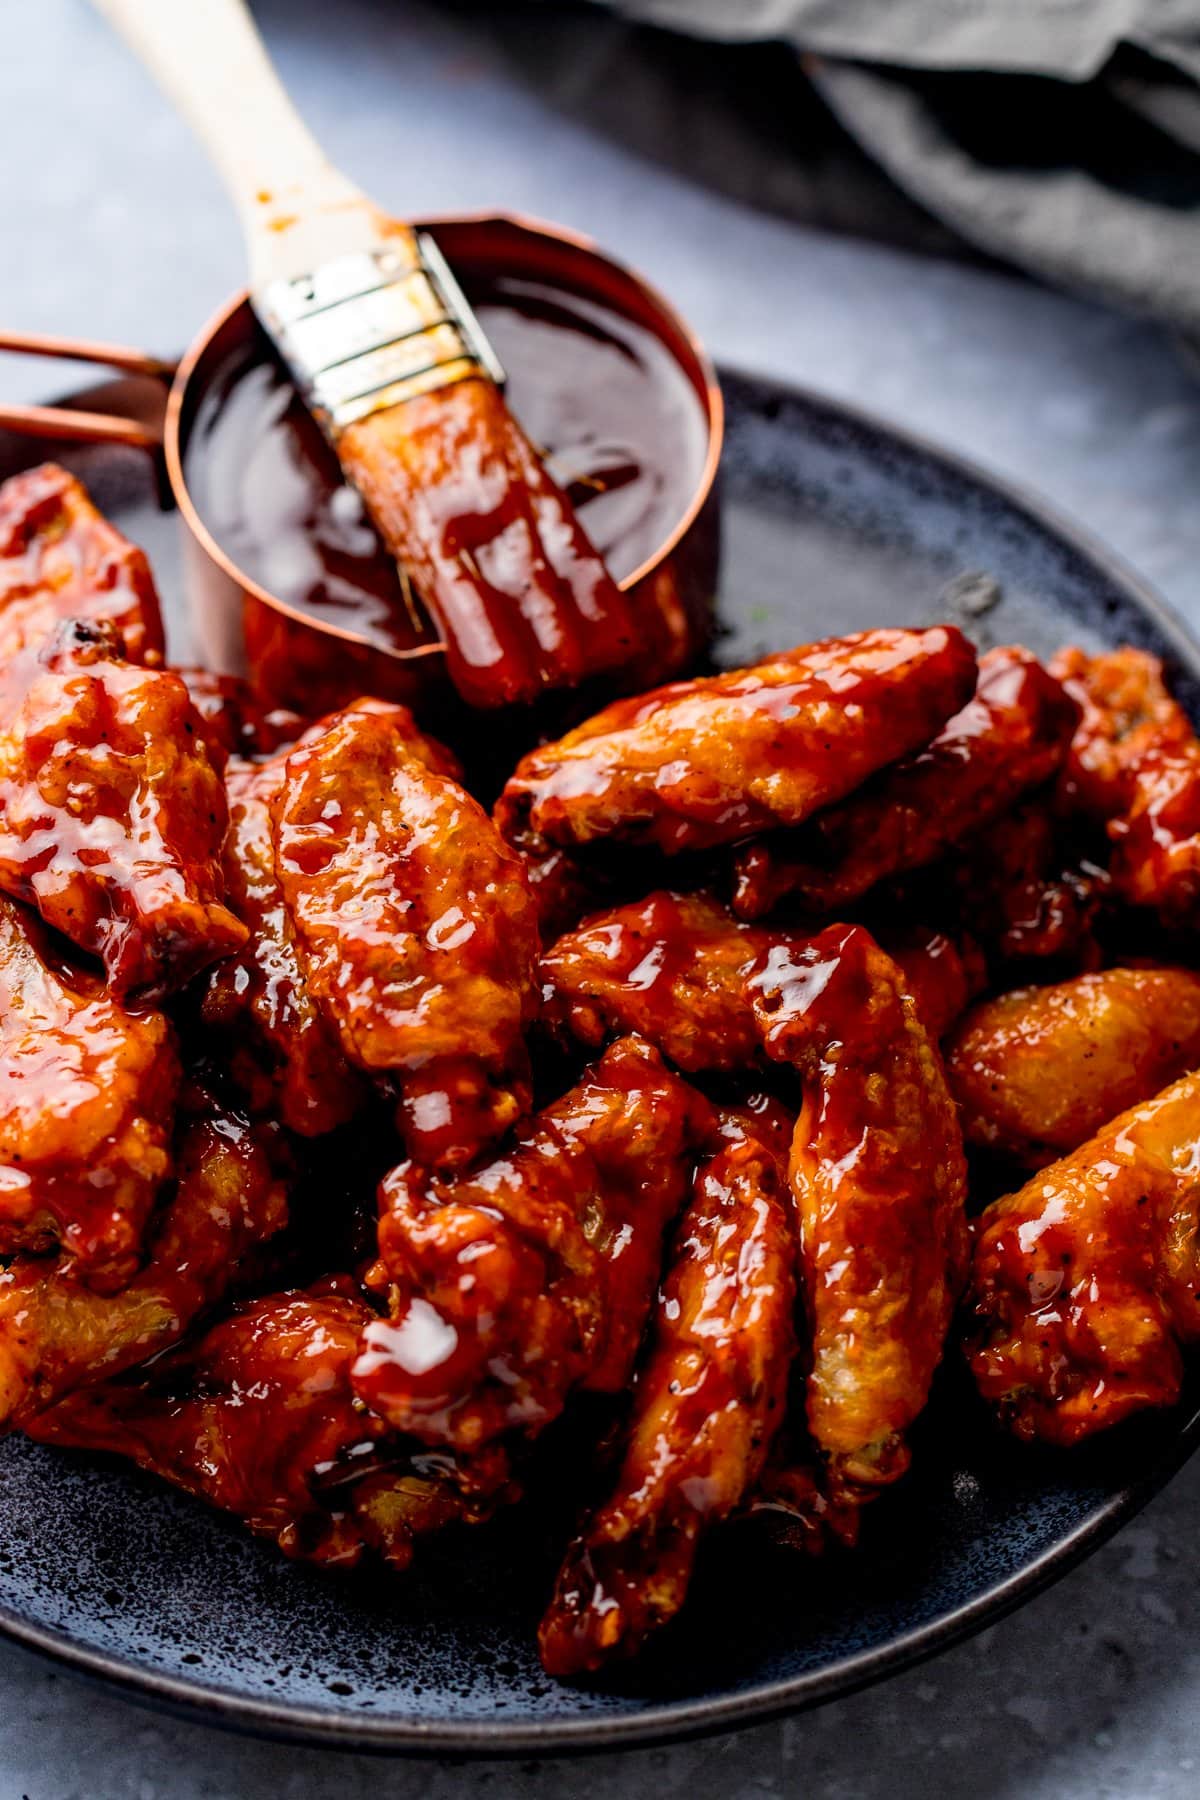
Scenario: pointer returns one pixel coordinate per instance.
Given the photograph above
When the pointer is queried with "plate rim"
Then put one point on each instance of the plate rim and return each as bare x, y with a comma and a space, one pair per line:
656, 1724
677, 1720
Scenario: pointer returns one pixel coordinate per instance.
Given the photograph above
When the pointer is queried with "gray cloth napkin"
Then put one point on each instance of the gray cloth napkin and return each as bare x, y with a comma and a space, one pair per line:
1069, 39
1063, 135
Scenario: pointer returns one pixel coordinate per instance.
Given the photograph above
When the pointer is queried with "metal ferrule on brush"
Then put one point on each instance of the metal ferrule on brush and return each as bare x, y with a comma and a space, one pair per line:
370, 330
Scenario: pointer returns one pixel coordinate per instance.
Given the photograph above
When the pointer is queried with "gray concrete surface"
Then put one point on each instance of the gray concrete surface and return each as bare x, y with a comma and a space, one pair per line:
112, 224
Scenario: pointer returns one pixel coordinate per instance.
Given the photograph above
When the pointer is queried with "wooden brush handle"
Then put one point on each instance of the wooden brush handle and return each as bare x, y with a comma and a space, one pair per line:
297, 210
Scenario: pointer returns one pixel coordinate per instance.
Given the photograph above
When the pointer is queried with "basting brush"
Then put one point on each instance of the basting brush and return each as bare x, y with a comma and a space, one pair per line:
392, 362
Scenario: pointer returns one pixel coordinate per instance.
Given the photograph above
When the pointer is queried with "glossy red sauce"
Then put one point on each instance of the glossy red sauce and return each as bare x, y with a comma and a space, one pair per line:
623, 429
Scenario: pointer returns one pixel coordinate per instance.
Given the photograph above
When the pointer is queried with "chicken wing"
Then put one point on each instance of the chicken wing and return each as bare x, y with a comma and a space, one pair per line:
878, 1176
415, 928
714, 760
87, 1094
1135, 762
1126, 714
706, 1404
674, 968
283, 1052
56, 1334
60, 560
112, 815
533, 1276
1012, 736
1038, 1071
1085, 1283
1156, 859
259, 1419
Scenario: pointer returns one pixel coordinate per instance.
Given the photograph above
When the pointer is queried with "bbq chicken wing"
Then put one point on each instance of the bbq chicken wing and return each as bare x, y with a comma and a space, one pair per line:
1085, 1283
415, 930
1012, 736
56, 1334
1156, 859
706, 1405
672, 968
1038, 1071
87, 1094
675, 969
879, 1181
60, 560
1135, 762
532, 1276
1126, 714
112, 815
711, 761
260, 1420
283, 1052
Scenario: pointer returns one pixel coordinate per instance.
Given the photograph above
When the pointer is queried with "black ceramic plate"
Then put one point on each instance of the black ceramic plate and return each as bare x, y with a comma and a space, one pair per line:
833, 521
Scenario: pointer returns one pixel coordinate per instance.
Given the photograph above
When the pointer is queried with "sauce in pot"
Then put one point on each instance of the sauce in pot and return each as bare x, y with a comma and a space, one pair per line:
623, 430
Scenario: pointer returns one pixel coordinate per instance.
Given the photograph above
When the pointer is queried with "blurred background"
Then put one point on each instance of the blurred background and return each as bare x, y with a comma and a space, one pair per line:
982, 221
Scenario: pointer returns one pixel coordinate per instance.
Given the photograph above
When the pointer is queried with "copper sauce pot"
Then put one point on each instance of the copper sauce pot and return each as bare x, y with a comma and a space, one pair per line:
314, 664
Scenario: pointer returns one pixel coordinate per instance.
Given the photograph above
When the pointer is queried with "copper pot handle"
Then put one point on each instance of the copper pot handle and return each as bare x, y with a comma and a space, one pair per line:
71, 424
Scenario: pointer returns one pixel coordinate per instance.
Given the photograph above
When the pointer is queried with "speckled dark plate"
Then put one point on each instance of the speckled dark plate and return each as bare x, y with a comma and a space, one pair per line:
833, 521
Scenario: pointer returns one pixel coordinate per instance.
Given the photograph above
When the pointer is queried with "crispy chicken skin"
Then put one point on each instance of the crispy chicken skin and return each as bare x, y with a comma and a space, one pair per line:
533, 1275
717, 759
112, 814
1135, 762
259, 1419
706, 1404
1010, 737
466, 505
415, 930
87, 1092
1038, 1071
60, 560
56, 1334
1085, 1283
879, 1180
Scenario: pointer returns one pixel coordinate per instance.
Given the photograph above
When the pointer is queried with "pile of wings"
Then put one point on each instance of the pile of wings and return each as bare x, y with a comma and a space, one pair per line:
350, 1137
